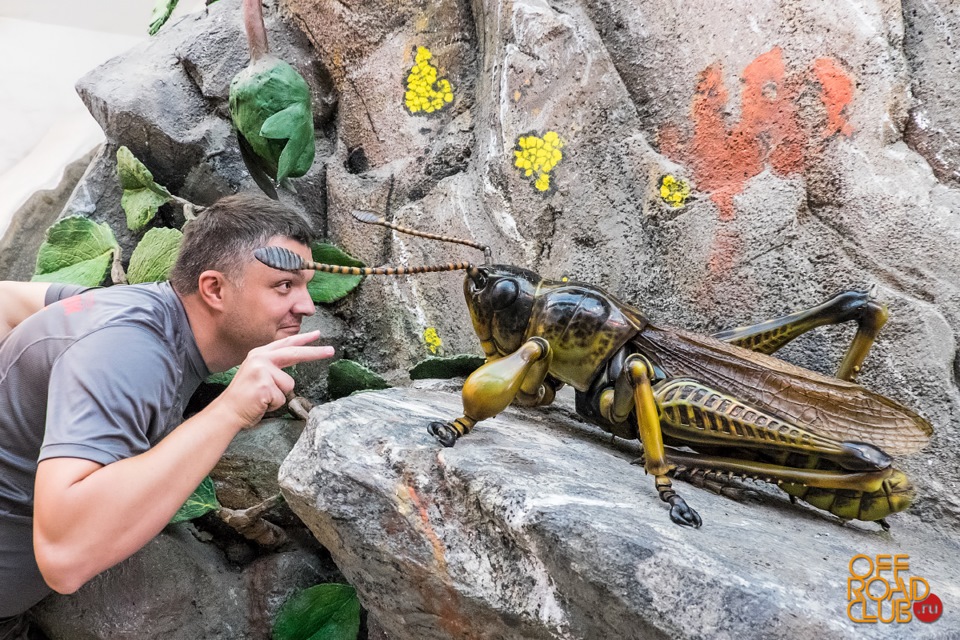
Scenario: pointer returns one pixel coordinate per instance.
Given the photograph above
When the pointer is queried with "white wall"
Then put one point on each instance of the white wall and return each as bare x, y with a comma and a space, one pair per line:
45, 47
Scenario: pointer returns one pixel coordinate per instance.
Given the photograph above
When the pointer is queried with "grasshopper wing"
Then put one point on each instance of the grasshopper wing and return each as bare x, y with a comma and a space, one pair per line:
830, 406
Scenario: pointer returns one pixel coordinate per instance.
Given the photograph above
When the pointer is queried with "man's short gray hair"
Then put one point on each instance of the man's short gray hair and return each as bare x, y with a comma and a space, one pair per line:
224, 236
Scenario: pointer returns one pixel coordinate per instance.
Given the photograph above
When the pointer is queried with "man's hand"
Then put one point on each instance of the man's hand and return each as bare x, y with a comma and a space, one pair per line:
260, 384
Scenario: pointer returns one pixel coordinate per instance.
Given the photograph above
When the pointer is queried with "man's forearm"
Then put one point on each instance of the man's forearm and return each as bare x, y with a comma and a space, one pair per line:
88, 517
85, 525
18, 301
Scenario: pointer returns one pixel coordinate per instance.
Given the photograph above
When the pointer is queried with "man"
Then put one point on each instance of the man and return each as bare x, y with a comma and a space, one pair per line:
94, 459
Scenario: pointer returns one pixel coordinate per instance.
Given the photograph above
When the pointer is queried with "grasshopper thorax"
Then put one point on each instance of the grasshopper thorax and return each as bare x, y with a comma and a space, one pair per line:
500, 299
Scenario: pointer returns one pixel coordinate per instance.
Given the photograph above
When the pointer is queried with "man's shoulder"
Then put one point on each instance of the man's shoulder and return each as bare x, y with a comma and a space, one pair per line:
153, 310
152, 305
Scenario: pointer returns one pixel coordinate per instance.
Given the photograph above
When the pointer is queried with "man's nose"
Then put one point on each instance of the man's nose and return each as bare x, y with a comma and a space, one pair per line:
304, 303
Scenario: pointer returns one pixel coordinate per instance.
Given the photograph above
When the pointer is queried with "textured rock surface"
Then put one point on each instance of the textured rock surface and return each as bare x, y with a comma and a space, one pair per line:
180, 587
819, 144
247, 472
535, 526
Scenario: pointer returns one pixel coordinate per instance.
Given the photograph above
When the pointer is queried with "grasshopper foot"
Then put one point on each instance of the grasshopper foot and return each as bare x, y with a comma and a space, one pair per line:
444, 432
682, 514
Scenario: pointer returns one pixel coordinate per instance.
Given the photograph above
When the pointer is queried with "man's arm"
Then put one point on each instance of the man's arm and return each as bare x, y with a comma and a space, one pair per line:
19, 300
89, 517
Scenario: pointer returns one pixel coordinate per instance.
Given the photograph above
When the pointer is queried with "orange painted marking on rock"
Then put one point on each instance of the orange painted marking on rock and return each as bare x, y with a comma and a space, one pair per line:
439, 553
439, 596
836, 92
770, 132
769, 114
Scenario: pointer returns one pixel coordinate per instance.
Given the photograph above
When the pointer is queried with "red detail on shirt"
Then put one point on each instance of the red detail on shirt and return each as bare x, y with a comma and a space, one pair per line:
73, 304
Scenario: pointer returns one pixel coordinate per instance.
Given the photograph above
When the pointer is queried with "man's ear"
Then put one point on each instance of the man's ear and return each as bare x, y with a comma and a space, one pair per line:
210, 288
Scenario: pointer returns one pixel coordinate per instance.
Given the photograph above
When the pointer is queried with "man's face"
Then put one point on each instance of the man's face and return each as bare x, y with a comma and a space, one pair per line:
267, 304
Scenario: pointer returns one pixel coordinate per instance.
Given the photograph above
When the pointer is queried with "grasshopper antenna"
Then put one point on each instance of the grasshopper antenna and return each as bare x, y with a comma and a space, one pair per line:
372, 218
286, 260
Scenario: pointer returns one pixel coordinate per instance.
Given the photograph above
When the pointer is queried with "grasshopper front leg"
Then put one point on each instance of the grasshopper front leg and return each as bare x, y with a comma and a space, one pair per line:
491, 388
633, 391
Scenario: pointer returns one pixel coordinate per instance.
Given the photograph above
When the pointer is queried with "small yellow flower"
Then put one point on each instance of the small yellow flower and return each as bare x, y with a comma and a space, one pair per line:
424, 92
673, 191
536, 157
432, 338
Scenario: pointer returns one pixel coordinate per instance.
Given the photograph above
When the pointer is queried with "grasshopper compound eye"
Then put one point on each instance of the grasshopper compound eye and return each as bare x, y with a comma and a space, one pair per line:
504, 293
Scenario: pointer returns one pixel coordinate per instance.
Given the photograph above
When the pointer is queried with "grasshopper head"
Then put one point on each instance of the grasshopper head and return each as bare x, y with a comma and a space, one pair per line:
500, 299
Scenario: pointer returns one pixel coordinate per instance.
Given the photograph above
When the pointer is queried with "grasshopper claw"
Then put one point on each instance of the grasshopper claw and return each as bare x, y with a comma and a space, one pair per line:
444, 432
682, 514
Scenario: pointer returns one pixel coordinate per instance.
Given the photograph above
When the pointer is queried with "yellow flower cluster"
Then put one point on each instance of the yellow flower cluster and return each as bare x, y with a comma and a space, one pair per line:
538, 156
424, 92
673, 191
432, 338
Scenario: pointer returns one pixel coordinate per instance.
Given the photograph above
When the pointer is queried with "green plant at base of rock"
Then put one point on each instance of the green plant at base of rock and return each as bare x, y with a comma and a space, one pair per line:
77, 251
347, 376
224, 377
328, 611
154, 256
458, 366
201, 501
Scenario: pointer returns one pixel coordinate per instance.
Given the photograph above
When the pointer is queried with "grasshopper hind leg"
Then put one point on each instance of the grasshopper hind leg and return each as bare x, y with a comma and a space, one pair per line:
860, 306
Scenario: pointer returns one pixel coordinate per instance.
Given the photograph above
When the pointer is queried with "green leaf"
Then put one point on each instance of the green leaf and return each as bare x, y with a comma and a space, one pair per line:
458, 366
325, 288
224, 377
270, 107
203, 500
153, 258
141, 195
325, 612
347, 376
77, 250
161, 13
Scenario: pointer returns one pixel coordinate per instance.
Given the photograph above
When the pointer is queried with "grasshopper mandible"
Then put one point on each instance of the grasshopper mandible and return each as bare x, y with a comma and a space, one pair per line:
742, 412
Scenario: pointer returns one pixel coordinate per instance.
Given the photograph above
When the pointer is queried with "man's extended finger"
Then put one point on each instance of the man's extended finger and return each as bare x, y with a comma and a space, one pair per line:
286, 356
296, 339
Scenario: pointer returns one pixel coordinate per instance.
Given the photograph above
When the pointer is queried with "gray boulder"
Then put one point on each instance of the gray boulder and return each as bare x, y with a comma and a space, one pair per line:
179, 587
535, 525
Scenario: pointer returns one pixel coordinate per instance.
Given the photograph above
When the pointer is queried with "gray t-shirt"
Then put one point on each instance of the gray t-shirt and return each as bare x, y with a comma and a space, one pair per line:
99, 374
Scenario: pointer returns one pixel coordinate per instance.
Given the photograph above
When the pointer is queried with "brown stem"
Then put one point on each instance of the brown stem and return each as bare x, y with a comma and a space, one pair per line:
299, 406
190, 210
249, 523
117, 274
256, 32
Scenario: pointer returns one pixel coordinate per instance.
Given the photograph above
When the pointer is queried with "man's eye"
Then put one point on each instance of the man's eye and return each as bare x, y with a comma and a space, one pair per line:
285, 286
